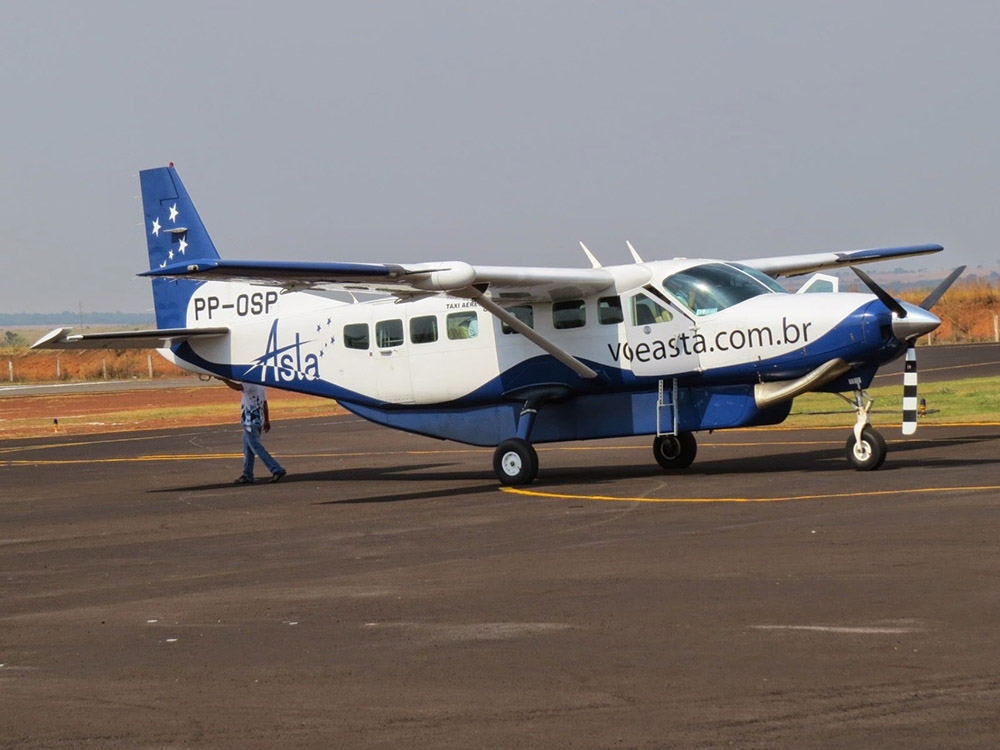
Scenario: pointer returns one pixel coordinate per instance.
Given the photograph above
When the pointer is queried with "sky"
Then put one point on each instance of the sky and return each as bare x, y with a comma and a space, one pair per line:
499, 133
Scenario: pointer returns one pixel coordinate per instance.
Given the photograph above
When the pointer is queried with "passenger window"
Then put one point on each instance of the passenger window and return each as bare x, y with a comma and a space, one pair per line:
462, 325
423, 330
569, 314
609, 311
356, 336
389, 333
646, 311
524, 313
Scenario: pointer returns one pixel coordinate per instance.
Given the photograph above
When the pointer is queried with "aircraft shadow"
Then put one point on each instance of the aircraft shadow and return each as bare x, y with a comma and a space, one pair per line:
409, 473
463, 491
818, 460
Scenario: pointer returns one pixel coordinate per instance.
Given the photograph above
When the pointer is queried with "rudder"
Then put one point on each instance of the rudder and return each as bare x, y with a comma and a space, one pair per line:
174, 233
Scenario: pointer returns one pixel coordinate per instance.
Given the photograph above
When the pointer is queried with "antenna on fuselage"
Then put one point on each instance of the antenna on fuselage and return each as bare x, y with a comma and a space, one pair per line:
590, 256
635, 255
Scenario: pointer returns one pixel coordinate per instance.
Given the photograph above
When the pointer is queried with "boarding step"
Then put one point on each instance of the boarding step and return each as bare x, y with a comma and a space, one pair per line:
666, 426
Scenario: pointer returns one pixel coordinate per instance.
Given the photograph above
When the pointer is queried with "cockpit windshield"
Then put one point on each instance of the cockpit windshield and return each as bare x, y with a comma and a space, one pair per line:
715, 286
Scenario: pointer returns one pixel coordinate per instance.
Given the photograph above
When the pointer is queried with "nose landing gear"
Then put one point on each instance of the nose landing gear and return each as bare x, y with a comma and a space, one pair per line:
865, 448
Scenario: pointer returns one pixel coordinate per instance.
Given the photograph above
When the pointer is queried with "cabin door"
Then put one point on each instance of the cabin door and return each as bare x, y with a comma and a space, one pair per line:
661, 341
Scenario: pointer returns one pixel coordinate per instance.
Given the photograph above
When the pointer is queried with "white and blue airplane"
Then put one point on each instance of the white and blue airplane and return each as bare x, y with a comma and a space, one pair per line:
509, 356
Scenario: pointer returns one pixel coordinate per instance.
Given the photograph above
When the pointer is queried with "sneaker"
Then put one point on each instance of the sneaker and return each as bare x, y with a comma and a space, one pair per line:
276, 476
244, 480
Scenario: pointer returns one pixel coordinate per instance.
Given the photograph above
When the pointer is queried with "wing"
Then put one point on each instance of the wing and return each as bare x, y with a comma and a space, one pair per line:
162, 338
796, 265
504, 282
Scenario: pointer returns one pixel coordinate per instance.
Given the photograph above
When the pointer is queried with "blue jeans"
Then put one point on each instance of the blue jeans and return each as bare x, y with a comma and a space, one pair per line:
252, 446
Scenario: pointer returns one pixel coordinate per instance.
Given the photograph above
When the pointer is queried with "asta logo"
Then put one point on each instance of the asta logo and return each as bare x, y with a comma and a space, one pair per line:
286, 363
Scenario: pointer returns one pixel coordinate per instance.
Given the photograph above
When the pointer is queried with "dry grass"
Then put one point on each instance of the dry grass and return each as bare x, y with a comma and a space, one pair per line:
969, 311
85, 365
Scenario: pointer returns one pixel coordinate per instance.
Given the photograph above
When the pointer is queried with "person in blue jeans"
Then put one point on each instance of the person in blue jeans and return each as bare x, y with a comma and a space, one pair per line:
255, 418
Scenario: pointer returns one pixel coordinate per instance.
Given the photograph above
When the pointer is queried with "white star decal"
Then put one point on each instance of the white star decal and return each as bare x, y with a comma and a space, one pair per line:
156, 226
170, 255
173, 213
181, 248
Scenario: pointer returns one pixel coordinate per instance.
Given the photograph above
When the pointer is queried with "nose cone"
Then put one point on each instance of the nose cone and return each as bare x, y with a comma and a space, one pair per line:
917, 322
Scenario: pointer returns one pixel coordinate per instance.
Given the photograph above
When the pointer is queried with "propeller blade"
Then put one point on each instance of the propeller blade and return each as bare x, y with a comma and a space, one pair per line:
887, 299
932, 299
910, 390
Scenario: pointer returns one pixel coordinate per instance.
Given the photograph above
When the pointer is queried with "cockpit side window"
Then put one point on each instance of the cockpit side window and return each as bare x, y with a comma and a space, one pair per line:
646, 311
715, 286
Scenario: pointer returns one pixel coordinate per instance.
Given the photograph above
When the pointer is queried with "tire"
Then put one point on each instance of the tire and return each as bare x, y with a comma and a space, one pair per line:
675, 451
867, 455
515, 462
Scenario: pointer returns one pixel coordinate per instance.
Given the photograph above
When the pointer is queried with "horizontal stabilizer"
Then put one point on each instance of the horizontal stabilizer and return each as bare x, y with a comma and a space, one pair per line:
157, 338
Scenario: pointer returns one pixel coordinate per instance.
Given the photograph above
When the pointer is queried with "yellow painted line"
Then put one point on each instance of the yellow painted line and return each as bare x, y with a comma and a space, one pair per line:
77, 444
122, 460
187, 457
944, 368
848, 424
462, 450
830, 496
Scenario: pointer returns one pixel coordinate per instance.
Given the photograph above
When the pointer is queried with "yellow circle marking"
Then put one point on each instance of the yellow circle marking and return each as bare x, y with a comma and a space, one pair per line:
829, 496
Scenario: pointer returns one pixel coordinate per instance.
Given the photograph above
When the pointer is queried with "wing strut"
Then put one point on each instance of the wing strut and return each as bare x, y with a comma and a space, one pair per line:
529, 333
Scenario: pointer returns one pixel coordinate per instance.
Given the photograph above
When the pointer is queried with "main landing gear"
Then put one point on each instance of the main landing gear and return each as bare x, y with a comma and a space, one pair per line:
515, 462
865, 447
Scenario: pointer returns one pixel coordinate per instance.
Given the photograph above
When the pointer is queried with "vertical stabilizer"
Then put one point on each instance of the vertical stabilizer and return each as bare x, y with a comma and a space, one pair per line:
174, 233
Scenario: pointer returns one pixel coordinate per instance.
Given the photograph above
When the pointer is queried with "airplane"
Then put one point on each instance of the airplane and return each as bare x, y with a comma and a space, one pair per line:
510, 356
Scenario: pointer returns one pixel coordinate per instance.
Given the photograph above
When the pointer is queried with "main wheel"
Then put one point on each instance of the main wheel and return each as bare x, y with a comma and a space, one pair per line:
675, 451
515, 462
869, 453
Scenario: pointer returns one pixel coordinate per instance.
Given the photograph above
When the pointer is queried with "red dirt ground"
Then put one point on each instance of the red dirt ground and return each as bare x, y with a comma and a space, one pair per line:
125, 409
146, 409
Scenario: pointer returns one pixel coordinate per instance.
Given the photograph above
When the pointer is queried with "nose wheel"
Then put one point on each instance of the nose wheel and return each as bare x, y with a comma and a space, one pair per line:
868, 453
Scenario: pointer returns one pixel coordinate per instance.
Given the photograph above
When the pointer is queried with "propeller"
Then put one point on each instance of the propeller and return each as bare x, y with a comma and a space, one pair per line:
884, 297
932, 299
910, 322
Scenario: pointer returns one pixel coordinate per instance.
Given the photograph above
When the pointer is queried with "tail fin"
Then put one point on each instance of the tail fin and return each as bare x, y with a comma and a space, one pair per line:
174, 232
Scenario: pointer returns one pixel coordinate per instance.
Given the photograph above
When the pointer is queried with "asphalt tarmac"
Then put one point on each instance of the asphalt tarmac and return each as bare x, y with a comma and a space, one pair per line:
388, 594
